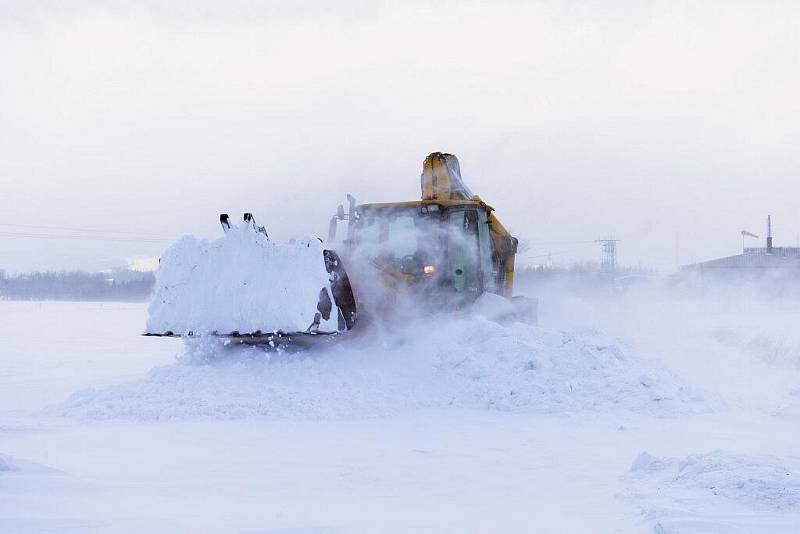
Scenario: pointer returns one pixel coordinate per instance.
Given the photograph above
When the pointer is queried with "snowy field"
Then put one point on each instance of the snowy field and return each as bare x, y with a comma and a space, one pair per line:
641, 413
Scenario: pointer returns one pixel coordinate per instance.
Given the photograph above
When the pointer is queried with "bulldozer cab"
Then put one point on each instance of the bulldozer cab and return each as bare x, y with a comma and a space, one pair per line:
448, 245
429, 245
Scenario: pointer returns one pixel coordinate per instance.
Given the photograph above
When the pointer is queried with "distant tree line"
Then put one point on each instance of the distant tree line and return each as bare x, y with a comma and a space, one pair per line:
119, 285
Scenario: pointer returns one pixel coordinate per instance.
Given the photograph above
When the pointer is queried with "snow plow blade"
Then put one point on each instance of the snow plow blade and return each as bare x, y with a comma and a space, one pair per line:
277, 340
247, 288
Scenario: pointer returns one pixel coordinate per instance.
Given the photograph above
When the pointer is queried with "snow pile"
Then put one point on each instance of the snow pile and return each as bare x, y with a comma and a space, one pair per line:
7, 463
756, 481
466, 362
677, 491
10, 464
240, 282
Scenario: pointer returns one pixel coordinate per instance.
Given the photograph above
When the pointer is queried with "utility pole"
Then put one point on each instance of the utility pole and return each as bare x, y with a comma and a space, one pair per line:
769, 234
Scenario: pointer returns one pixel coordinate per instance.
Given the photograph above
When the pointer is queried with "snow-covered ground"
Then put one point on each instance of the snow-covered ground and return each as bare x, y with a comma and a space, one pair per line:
641, 413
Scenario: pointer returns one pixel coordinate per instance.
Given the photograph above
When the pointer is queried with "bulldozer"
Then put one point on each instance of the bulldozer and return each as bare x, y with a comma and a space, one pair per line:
445, 251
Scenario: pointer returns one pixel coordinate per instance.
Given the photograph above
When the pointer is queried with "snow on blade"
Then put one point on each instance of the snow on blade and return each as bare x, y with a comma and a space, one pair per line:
241, 282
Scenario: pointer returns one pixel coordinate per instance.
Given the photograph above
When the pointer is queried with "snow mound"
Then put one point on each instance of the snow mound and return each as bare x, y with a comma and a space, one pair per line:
240, 282
466, 362
7, 463
679, 491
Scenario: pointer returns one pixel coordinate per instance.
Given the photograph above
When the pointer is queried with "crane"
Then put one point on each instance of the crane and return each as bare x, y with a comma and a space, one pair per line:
745, 233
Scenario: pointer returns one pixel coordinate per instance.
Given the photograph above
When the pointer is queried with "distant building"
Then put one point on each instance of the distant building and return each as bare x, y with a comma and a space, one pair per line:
754, 262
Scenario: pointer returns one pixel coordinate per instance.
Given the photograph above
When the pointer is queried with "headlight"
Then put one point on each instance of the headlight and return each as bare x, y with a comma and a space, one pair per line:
428, 269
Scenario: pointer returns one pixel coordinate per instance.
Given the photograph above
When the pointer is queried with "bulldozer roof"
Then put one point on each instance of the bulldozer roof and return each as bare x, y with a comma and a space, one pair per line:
444, 203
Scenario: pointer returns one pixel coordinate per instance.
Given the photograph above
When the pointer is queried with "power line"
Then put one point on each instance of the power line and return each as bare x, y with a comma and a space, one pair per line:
90, 230
571, 249
556, 253
558, 242
84, 238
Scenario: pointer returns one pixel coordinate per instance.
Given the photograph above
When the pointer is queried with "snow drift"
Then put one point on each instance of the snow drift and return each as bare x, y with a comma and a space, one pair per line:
717, 492
240, 282
465, 362
765, 482
7, 463
12, 465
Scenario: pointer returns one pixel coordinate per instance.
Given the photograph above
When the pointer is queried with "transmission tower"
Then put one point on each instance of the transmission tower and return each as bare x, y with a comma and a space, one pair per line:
608, 262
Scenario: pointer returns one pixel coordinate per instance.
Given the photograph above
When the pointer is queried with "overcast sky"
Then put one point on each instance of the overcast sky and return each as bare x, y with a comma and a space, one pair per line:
124, 125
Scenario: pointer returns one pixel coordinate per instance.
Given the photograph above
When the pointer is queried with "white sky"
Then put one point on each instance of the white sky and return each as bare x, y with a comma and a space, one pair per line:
648, 121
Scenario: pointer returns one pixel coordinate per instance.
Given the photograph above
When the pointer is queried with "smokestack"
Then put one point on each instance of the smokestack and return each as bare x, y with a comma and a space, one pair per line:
769, 234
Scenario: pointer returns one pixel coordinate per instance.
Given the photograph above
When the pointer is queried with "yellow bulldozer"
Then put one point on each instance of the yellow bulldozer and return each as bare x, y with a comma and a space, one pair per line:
445, 251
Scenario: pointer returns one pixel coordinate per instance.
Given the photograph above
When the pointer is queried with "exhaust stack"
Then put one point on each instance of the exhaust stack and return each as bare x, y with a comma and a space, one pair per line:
769, 234
441, 178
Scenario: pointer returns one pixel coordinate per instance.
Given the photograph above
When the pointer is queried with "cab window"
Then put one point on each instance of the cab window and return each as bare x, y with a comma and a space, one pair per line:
462, 251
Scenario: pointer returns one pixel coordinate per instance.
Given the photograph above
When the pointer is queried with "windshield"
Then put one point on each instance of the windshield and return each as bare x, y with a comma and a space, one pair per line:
448, 248
404, 237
